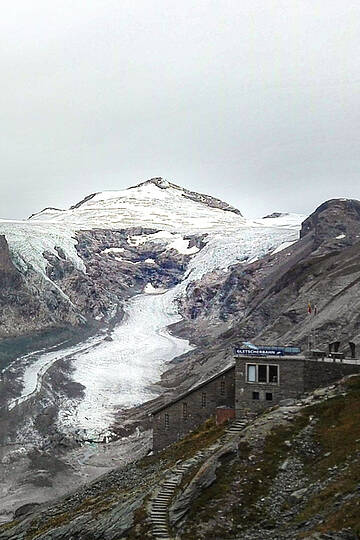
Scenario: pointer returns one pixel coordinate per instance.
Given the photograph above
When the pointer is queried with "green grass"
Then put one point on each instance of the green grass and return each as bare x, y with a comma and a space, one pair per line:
239, 484
337, 432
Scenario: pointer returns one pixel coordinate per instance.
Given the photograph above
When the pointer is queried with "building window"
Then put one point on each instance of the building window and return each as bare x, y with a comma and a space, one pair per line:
256, 395
185, 411
167, 421
268, 396
251, 373
203, 399
262, 373
222, 387
273, 374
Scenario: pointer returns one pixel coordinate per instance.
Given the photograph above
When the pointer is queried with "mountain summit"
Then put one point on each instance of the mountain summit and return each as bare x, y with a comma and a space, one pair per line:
154, 203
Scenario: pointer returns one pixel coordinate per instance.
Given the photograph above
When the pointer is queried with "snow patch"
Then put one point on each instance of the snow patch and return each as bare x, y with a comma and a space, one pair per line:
150, 289
182, 246
113, 250
283, 246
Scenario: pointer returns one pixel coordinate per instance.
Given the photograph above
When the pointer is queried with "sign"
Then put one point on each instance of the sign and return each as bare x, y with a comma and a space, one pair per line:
267, 350
259, 352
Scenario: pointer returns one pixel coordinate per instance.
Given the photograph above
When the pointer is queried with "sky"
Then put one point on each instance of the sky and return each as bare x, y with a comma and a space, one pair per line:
252, 101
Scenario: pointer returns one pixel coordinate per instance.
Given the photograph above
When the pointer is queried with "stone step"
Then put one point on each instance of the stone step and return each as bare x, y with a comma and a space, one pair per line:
159, 512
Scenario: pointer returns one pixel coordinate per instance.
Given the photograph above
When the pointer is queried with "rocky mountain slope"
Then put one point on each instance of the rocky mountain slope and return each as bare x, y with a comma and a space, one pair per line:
291, 473
267, 300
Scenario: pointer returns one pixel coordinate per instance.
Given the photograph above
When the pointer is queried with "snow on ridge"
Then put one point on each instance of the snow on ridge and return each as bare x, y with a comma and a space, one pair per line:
146, 205
285, 220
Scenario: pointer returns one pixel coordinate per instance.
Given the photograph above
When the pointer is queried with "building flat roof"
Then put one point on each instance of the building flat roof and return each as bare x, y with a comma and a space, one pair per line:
191, 390
270, 358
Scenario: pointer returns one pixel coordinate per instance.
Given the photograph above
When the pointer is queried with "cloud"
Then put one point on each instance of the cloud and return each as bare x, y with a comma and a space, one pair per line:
254, 102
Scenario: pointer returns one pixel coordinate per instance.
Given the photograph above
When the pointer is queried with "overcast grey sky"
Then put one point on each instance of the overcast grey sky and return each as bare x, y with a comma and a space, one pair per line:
252, 101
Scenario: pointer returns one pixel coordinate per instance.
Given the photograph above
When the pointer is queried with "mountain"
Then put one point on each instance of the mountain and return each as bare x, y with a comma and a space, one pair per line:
79, 265
155, 203
130, 297
270, 296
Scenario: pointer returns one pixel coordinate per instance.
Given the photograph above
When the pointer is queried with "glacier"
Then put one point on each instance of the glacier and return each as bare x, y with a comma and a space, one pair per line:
118, 374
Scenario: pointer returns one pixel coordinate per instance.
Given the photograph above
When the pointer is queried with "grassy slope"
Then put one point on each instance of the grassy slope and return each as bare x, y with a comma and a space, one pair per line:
233, 503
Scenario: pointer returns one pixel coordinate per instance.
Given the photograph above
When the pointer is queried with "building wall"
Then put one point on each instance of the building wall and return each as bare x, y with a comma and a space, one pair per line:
317, 374
224, 414
296, 376
290, 383
189, 412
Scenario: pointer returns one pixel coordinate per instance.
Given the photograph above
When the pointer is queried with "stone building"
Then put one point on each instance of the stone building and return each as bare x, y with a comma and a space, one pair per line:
255, 382
263, 381
175, 419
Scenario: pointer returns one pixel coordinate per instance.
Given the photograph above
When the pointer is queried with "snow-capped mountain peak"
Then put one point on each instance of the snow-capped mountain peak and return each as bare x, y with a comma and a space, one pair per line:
156, 203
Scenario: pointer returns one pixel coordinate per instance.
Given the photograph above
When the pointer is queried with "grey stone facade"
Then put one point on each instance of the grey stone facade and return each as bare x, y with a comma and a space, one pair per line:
256, 390
174, 420
253, 384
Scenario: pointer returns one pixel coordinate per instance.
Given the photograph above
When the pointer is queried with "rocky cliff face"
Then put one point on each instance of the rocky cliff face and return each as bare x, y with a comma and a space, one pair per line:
333, 219
267, 300
9, 275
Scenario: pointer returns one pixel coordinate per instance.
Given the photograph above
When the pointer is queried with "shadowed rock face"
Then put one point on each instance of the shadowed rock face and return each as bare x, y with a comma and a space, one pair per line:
9, 275
333, 218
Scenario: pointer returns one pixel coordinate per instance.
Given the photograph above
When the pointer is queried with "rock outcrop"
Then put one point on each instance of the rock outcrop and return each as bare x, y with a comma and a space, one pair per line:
9, 275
